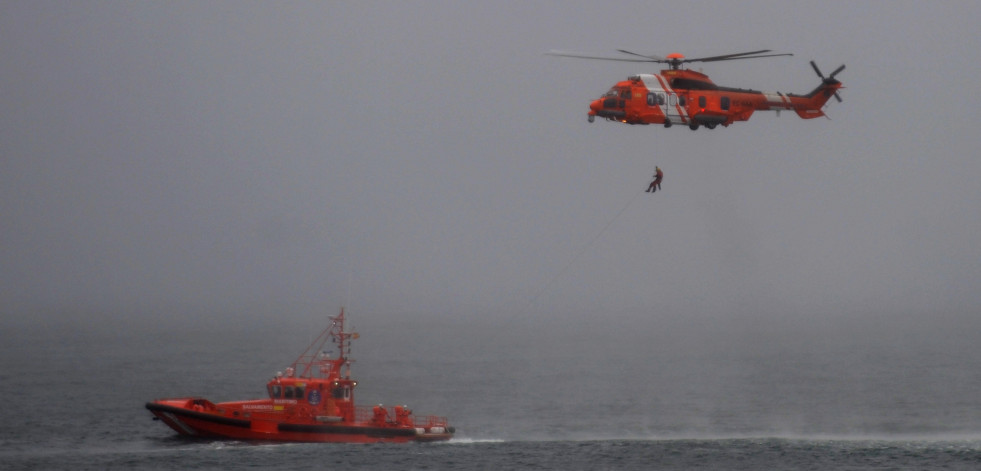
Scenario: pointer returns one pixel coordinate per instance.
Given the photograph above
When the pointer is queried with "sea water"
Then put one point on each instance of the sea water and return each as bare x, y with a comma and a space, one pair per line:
522, 395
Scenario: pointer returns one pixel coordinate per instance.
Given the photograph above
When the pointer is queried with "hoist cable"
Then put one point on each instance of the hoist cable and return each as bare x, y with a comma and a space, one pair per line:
582, 250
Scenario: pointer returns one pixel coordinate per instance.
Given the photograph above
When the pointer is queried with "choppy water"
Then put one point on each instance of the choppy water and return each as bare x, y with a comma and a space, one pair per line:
522, 395
732, 454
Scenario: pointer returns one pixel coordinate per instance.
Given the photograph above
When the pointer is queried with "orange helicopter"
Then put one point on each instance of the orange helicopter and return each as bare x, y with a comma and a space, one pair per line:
686, 97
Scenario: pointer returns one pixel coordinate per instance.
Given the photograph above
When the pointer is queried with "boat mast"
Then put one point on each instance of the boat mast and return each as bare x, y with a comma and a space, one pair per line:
315, 354
342, 339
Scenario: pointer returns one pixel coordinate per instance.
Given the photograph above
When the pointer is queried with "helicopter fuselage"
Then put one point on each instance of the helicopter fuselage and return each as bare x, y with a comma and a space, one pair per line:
687, 97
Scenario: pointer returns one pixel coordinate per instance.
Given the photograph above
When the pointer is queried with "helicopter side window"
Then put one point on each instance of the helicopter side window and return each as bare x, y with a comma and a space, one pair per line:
725, 103
673, 100
625, 93
612, 93
681, 100
701, 101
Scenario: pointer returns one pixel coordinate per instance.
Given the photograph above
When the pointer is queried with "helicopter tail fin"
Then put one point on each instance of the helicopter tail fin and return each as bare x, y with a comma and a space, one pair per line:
809, 106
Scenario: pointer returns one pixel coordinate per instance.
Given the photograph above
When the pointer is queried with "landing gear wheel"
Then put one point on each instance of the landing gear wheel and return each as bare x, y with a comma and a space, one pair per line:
591, 118
693, 126
710, 126
667, 123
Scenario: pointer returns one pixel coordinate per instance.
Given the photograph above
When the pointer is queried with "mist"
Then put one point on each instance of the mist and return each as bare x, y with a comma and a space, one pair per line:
426, 161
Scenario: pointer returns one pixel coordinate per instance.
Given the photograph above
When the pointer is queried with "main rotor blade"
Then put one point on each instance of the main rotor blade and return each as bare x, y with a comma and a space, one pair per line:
653, 58
735, 58
726, 56
584, 56
645, 58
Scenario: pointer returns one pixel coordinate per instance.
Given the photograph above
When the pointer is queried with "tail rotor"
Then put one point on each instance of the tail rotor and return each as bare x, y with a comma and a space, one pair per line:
829, 80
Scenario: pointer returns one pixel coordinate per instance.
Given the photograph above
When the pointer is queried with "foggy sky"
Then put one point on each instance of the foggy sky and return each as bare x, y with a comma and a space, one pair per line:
410, 158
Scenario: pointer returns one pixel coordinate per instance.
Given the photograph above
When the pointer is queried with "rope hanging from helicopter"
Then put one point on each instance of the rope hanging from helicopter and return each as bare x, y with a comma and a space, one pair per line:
589, 244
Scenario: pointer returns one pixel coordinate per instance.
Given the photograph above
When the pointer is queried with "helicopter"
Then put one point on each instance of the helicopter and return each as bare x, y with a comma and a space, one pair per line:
683, 96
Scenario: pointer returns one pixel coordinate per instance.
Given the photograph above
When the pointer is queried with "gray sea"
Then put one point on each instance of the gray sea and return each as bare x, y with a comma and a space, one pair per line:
603, 392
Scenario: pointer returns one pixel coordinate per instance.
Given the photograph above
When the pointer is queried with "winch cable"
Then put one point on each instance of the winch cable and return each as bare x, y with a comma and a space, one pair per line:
581, 251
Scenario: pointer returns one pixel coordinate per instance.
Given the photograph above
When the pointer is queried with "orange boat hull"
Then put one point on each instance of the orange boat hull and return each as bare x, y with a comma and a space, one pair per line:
182, 416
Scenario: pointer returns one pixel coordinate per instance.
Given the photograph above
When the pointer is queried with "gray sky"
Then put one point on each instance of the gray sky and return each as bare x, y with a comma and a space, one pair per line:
407, 158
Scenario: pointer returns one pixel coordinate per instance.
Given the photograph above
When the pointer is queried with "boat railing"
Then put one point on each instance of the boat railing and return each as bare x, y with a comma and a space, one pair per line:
366, 414
363, 414
429, 421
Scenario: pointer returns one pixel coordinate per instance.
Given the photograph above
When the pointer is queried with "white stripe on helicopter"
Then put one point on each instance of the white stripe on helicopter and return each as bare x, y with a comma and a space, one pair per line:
670, 108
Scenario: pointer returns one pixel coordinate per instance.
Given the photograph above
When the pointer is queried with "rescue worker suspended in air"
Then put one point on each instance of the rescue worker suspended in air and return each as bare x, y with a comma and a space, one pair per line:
656, 184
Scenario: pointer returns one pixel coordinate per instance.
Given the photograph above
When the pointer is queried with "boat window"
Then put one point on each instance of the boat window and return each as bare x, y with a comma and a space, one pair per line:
341, 392
299, 392
289, 392
275, 390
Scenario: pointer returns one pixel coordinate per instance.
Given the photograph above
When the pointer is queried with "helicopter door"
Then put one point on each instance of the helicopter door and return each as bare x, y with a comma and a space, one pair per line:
673, 108
665, 98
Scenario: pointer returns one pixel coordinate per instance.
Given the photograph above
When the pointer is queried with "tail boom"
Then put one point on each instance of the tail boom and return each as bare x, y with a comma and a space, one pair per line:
806, 106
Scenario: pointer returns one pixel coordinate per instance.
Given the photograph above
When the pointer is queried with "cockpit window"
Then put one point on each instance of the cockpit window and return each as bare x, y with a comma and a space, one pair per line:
618, 92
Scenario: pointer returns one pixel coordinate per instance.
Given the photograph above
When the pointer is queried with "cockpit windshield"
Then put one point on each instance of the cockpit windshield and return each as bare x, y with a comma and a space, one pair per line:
622, 92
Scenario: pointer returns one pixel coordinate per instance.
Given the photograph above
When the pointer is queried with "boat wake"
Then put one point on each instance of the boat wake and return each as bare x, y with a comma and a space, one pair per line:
471, 441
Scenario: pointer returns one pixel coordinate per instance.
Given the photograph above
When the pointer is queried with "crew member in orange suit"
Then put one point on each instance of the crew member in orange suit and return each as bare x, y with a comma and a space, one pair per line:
656, 184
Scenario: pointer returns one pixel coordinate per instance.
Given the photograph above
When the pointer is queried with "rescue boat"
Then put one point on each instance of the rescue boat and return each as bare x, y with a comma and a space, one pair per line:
312, 402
